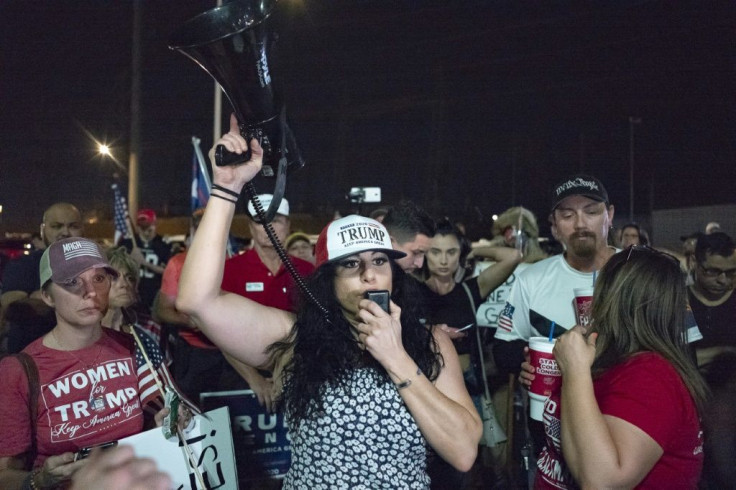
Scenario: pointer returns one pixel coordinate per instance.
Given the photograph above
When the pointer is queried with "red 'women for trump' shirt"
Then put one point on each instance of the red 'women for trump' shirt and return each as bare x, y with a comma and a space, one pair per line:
87, 397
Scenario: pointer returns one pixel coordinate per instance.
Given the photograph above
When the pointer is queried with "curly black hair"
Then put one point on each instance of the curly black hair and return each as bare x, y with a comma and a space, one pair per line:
325, 351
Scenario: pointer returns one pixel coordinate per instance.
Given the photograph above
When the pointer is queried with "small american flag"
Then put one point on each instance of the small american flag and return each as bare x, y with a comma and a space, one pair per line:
506, 320
553, 427
148, 391
148, 325
121, 215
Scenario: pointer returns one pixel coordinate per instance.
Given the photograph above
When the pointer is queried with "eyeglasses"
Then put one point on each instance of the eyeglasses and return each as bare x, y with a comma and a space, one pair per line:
648, 249
713, 273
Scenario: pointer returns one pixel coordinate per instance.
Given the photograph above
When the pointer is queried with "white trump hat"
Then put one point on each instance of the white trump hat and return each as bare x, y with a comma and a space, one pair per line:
352, 235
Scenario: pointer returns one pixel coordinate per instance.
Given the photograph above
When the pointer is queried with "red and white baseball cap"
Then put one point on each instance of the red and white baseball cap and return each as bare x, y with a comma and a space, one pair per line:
65, 259
352, 235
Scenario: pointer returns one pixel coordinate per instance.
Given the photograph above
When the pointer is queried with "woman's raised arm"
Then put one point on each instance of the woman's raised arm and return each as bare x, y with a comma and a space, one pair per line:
240, 327
492, 277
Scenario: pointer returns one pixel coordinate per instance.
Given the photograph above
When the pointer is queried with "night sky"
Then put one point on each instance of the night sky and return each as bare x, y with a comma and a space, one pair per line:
465, 107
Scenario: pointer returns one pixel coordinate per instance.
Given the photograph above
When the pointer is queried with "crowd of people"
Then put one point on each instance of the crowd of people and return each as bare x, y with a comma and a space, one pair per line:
383, 396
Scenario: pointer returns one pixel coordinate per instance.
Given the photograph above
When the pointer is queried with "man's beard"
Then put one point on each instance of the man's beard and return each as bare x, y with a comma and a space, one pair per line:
583, 249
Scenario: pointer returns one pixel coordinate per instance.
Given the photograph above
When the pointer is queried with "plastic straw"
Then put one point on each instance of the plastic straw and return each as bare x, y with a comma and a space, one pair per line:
552, 332
594, 274
520, 236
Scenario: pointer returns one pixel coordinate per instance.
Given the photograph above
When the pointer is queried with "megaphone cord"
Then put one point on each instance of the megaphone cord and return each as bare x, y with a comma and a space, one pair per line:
250, 190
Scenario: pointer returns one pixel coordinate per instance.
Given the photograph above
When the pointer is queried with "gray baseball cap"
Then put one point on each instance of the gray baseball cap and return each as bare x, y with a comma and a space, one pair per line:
65, 259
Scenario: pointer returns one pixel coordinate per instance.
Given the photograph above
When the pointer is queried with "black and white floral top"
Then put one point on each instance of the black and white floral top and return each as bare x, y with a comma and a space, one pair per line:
365, 439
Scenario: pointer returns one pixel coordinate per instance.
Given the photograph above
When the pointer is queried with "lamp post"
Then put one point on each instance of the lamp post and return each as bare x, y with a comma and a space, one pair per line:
135, 109
217, 117
632, 121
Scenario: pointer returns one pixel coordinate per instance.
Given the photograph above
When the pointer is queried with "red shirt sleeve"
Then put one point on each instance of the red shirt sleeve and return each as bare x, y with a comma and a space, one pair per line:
647, 392
172, 273
15, 426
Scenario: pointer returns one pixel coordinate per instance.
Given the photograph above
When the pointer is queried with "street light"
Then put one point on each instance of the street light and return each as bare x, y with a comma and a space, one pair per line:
106, 152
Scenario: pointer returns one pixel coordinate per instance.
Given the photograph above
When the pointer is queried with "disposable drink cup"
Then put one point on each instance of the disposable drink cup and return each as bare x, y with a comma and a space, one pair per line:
583, 305
547, 376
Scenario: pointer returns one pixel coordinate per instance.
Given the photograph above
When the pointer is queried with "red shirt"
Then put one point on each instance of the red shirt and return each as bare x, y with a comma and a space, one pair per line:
647, 392
87, 397
247, 276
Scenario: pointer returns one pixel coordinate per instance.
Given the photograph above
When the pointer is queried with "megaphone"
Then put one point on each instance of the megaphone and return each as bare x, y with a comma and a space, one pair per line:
232, 44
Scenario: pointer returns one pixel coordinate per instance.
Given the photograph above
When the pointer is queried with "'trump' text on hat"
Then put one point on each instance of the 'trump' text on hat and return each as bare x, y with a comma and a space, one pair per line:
359, 233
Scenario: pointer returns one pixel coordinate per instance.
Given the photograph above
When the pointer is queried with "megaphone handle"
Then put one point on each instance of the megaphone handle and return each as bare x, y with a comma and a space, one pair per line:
223, 157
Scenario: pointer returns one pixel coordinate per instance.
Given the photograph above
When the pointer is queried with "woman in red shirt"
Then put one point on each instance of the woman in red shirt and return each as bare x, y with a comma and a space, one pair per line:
88, 389
628, 411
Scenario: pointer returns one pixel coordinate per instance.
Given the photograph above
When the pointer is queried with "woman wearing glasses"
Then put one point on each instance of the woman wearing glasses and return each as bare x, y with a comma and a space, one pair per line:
628, 411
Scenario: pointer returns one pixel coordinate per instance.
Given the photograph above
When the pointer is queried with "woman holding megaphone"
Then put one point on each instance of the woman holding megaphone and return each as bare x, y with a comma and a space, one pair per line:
364, 390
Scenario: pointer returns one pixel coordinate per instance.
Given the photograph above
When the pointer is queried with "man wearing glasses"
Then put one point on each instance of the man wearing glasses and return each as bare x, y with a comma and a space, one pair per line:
711, 296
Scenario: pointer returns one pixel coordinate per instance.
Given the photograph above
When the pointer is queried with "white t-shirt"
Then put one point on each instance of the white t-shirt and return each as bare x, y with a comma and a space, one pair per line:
543, 293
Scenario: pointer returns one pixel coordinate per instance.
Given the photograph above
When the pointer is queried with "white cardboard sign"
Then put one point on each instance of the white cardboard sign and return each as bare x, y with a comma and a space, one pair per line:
212, 447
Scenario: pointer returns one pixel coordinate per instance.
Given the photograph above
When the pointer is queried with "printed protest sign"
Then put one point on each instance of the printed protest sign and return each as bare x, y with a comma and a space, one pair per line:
212, 447
261, 441
489, 312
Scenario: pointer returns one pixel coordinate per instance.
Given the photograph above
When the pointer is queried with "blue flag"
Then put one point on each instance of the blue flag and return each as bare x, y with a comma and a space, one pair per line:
201, 187
200, 179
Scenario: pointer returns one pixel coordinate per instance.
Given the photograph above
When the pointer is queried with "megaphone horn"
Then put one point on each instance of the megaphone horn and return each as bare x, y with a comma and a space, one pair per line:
232, 44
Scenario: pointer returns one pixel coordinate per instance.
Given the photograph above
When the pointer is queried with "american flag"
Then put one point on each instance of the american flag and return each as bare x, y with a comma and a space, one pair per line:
121, 215
506, 320
554, 428
148, 391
